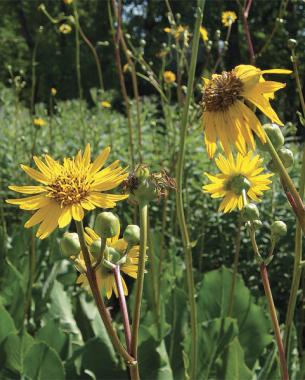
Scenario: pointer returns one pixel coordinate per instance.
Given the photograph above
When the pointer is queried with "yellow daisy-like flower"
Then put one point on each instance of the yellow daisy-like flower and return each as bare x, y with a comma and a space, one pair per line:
53, 91
228, 18
39, 122
105, 104
68, 2
65, 28
169, 77
227, 118
244, 172
204, 34
105, 276
67, 189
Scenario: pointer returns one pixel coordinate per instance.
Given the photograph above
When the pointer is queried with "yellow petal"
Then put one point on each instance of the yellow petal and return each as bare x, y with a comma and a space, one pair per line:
28, 189
65, 217
77, 212
100, 160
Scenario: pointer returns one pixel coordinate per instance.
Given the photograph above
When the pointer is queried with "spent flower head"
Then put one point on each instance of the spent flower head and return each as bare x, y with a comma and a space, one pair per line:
66, 189
225, 115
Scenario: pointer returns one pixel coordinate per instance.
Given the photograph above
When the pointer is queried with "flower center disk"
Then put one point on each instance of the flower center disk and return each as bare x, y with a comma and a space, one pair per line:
222, 91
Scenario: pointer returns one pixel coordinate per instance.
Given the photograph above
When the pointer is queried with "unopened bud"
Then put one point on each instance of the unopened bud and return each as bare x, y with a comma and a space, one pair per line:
278, 229
107, 225
286, 156
257, 224
132, 234
275, 135
69, 244
292, 43
250, 212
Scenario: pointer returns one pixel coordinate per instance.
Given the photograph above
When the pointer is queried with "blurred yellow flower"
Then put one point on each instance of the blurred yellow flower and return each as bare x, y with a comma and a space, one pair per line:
242, 173
228, 17
67, 189
204, 34
177, 31
53, 91
68, 2
105, 276
167, 30
227, 118
169, 77
39, 122
105, 104
65, 28
125, 67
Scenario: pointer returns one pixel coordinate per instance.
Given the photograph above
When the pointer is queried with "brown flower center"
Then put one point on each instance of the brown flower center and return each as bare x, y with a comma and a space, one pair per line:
222, 91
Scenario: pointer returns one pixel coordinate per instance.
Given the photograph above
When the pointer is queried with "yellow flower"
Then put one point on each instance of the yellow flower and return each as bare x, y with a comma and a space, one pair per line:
105, 104
167, 30
104, 276
225, 115
236, 174
67, 189
204, 34
68, 2
65, 28
176, 32
53, 91
169, 77
125, 67
228, 17
39, 122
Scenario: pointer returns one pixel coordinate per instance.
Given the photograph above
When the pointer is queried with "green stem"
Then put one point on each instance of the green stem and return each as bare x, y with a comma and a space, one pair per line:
235, 269
77, 51
297, 268
140, 281
32, 269
90, 273
289, 187
179, 199
96, 58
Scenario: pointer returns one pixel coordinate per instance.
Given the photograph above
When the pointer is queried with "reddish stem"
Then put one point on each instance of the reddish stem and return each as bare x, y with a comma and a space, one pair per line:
123, 306
275, 323
245, 14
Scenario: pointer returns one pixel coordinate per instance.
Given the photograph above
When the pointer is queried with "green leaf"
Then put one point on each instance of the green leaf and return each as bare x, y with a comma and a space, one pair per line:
15, 348
234, 367
54, 337
253, 325
42, 363
154, 361
7, 325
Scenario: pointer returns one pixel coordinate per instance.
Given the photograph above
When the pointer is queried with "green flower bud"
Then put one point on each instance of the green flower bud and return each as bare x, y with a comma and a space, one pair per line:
275, 135
292, 43
278, 229
272, 167
286, 156
69, 244
113, 255
132, 234
257, 224
250, 212
107, 225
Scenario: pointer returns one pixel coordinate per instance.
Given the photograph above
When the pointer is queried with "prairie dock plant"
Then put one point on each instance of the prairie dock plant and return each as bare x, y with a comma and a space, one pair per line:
66, 190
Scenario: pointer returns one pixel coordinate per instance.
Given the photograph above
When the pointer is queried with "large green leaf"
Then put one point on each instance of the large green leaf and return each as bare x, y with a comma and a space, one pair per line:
42, 363
54, 337
7, 325
153, 360
15, 348
253, 325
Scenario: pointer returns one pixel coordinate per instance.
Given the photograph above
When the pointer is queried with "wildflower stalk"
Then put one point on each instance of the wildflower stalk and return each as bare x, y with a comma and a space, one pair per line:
91, 276
96, 58
245, 14
268, 294
77, 51
297, 267
32, 270
116, 41
221, 54
289, 188
139, 286
235, 268
179, 199
123, 306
